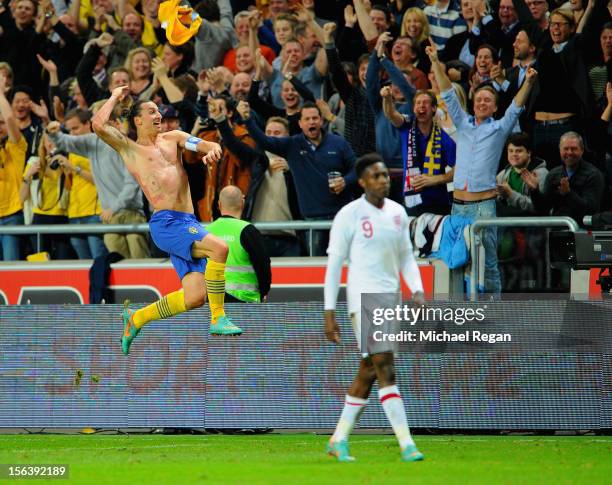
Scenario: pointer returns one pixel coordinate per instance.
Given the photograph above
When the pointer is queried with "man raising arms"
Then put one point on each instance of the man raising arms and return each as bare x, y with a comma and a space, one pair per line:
153, 159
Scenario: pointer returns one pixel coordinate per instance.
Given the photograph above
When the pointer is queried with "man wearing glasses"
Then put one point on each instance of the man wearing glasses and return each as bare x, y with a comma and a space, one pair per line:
562, 97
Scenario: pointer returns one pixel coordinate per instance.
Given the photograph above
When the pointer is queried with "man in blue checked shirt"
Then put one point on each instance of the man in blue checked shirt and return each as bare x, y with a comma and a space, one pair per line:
480, 141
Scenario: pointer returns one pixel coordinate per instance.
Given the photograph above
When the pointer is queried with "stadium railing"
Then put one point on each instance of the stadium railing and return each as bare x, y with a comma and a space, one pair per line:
475, 241
131, 228
543, 222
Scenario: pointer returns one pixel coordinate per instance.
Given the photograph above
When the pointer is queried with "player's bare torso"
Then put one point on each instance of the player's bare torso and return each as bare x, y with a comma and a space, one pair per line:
159, 171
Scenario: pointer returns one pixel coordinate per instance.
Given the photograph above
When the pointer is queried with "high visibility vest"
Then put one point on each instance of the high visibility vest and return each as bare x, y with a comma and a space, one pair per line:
240, 277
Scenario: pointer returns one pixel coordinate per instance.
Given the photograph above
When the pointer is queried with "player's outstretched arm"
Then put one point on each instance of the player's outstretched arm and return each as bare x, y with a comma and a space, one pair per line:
100, 121
212, 151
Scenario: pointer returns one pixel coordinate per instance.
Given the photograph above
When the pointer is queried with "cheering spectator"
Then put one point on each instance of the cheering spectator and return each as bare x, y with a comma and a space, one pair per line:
85, 73
573, 189
388, 143
358, 117
312, 156
562, 99
19, 42
428, 152
444, 21
84, 204
13, 148
46, 185
501, 30
416, 26
509, 83
463, 46
242, 29
271, 195
234, 168
292, 57
292, 93
480, 141
30, 116
513, 193
138, 65
178, 58
216, 34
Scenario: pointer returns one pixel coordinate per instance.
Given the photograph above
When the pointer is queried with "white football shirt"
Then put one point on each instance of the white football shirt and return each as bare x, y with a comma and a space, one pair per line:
376, 243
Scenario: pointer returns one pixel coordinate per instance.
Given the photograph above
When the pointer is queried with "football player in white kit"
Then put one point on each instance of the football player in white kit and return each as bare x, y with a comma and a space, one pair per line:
373, 234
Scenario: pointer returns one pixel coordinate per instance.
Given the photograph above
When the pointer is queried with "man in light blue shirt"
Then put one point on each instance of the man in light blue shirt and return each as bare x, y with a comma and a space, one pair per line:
480, 141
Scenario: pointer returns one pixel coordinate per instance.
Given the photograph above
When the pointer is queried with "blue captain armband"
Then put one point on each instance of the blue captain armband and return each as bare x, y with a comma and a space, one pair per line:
192, 143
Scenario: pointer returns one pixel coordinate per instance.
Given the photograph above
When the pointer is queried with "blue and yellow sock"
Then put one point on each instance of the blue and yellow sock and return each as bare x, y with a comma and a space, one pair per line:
215, 288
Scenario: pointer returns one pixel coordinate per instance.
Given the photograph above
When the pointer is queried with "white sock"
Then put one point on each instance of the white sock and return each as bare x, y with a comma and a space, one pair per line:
394, 409
353, 409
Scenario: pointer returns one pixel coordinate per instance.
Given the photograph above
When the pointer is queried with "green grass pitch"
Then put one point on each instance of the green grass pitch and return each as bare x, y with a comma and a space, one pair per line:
296, 459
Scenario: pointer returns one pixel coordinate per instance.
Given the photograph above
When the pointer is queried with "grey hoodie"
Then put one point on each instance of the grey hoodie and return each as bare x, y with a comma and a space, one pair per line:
523, 200
214, 39
117, 188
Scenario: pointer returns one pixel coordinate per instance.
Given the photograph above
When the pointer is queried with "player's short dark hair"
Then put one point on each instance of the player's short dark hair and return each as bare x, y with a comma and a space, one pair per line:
82, 114
310, 105
520, 140
134, 111
366, 161
607, 26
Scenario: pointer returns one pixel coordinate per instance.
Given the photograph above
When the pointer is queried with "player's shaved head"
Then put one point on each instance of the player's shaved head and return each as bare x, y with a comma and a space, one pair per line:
230, 200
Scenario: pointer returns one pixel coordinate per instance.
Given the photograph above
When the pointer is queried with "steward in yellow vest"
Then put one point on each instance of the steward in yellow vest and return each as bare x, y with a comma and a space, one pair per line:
247, 271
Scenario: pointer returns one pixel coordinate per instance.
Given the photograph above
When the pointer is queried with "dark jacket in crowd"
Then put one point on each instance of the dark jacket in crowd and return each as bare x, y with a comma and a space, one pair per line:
310, 166
584, 198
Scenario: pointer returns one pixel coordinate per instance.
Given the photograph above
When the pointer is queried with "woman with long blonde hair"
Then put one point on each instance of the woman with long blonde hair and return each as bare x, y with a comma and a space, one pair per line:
138, 63
416, 26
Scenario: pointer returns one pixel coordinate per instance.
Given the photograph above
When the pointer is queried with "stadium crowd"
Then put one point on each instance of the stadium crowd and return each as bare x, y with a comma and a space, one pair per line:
511, 104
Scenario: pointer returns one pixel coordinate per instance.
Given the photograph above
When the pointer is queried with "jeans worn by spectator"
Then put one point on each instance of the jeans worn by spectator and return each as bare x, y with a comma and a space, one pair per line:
483, 210
10, 245
87, 246
134, 245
